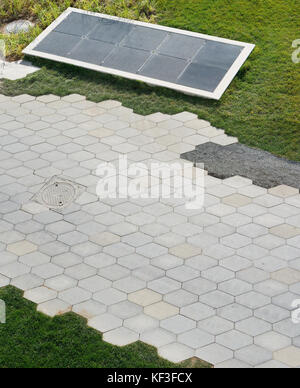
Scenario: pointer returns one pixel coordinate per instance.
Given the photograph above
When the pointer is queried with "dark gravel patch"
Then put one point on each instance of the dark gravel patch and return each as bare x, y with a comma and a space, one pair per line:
265, 169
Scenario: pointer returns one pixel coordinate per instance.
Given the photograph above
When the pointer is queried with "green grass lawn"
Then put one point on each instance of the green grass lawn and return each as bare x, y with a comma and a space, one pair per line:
30, 339
261, 107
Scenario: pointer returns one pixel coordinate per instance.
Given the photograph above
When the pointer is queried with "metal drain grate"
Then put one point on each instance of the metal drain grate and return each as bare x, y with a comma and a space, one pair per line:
58, 193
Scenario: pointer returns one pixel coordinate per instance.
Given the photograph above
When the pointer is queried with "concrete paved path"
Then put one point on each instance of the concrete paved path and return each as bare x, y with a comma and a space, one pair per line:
217, 283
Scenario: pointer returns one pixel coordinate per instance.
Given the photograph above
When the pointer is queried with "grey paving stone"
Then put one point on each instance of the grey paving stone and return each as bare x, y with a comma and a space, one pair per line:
197, 311
125, 310
164, 285
17, 217
254, 355
40, 294
234, 340
114, 272
154, 230
105, 239
72, 238
29, 227
81, 271
295, 264
60, 227
46, 271
54, 248
158, 337
110, 219
129, 284
78, 218
220, 230
170, 240
175, 352
253, 230
86, 249
133, 261
48, 217
253, 252
235, 312
201, 263
286, 253
273, 364
233, 364
253, 326
119, 250
54, 307
285, 300
269, 241
171, 220
5, 226
11, 237
109, 296
137, 239
94, 283
218, 274
196, 338
66, 260
35, 259
124, 229
100, 260
7, 258
24, 282
199, 286
127, 209
152, 250
272, 341
89, 309
214, 354
178, 324
288, 328
235, 263
74, 295
216, 299
271, 313
121, 336
167, 262
235, 287
183, 273
14, 270
271, 288
180, 298
148, 273
270, 264
203, 240
141, 323
60, 283
236, 220
296, 342
4, 281
187, 230
41, 237
105, 322
253, 300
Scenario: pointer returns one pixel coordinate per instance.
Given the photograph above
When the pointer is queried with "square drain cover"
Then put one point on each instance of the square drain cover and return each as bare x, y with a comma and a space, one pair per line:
58, 193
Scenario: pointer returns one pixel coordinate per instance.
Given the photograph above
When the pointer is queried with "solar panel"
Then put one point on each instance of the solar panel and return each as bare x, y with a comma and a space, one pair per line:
188, 62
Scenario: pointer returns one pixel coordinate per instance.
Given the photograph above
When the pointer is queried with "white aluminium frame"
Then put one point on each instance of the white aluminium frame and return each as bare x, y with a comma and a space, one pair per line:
216, 95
